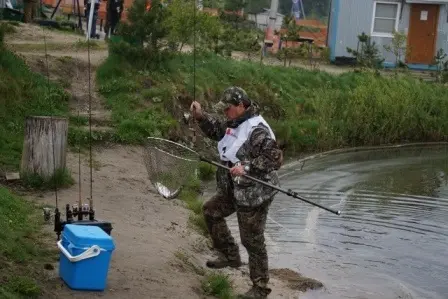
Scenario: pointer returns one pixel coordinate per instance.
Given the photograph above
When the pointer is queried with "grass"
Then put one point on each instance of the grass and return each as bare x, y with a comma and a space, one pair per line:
135, 112
23, 93
218, 285
23, 252
213, 283
61, 179
309, 110
190, 195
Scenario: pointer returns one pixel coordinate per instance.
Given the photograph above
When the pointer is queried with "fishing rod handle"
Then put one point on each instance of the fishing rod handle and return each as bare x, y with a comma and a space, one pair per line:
287, 192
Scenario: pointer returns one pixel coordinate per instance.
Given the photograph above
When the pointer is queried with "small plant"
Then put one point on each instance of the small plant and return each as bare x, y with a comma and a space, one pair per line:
144, 34
289, 34
5, 28
398, 48
367, 54
442, 66
218, 285
190, 195
60, 179
24, 286
206, 171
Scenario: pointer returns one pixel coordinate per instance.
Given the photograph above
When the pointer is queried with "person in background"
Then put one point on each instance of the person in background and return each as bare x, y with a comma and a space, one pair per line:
247, 145
114, 9
96, 7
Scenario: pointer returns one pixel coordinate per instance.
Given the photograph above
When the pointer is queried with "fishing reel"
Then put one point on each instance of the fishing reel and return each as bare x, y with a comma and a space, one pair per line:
77, 214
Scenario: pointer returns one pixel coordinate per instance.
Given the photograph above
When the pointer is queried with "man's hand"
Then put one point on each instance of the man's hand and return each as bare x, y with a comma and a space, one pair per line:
237, 170
196, 109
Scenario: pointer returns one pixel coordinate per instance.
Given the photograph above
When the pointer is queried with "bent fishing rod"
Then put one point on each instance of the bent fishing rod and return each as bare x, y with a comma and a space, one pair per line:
288, 192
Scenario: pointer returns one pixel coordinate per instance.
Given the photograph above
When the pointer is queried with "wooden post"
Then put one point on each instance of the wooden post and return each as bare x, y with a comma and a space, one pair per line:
37, 155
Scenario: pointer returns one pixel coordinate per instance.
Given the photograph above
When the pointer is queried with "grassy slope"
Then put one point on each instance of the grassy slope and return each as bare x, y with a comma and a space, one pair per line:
23, 93
23, 251
309, 110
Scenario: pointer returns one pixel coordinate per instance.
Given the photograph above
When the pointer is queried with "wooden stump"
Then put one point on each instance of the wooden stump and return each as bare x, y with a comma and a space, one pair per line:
37, 155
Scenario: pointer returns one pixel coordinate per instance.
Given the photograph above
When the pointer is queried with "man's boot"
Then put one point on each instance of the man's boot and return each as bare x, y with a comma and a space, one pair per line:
220, 263
256, 292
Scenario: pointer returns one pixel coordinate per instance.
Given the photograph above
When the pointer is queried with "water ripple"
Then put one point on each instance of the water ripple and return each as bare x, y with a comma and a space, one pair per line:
391, 239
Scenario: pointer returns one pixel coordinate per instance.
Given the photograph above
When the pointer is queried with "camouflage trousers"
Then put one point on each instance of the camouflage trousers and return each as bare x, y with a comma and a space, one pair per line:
252, 222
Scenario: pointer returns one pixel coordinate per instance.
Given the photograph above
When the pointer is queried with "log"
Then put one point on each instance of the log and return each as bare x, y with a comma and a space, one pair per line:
37, 155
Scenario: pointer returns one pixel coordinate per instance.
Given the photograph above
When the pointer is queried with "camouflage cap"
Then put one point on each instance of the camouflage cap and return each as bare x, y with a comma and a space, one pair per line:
232, 96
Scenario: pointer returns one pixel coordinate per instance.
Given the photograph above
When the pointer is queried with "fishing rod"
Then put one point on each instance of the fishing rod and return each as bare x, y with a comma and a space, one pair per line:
288, 192
179, 161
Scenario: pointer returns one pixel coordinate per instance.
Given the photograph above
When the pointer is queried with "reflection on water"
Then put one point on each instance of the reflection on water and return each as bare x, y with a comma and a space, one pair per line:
391, 240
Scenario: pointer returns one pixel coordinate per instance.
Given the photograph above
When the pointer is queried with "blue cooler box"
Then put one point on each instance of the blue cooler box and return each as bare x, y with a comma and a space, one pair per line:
85, 256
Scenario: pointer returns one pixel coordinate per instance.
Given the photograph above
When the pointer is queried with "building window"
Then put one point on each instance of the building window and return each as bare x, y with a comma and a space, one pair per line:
385, 18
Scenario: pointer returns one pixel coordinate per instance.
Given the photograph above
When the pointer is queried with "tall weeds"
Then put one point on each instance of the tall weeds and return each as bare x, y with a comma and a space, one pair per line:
309, 110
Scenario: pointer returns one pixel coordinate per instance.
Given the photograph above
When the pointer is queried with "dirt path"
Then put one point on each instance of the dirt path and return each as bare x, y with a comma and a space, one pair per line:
68, 64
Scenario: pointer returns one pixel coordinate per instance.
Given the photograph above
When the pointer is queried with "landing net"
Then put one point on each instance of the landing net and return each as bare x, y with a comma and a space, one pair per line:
169, 165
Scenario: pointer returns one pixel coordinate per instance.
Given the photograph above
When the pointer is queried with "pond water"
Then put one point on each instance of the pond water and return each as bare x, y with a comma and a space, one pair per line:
390, 240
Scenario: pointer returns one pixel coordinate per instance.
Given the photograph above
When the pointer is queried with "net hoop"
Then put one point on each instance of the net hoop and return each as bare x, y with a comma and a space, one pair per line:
174, 144
168, 149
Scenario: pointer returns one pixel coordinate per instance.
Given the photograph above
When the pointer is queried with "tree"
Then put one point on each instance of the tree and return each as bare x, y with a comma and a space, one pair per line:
213, 3
180, 22
257, 6
247, 41
234, 5
213, 35
289, 33
145, 26
442, 66
367, 54
398, 47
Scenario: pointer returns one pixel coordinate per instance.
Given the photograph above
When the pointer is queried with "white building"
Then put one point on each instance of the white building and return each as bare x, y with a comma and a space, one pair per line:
262, 18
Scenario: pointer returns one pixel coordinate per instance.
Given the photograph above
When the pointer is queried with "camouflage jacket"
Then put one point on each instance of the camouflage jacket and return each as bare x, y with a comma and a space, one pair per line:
260, 152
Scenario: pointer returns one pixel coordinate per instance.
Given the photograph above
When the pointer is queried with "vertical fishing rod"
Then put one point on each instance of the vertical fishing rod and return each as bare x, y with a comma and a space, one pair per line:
80, 211
91, 211
194, 50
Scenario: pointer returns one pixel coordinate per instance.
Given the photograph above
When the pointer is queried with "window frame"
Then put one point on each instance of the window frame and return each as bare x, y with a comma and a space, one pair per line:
384, 34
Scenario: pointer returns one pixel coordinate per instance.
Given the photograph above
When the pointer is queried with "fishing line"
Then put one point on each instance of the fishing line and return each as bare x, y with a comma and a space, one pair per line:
90, 115
51, 118
80, 211
194, 50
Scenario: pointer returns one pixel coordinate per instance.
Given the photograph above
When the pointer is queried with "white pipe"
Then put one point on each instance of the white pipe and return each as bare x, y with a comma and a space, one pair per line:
89, 27
271, 23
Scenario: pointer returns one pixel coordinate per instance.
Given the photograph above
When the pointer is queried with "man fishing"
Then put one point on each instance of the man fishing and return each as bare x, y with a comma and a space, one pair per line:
247, 145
